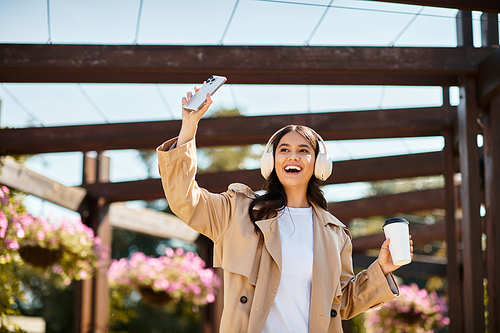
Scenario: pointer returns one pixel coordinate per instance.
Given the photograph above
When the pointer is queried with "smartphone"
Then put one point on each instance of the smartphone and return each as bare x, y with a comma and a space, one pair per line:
210, 86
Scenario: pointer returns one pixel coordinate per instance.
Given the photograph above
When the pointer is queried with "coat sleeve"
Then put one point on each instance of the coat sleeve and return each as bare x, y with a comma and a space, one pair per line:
205, 212
368, 289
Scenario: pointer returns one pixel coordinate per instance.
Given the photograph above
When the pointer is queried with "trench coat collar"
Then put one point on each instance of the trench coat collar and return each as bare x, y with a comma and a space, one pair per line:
326, 218
270, 231
326, 272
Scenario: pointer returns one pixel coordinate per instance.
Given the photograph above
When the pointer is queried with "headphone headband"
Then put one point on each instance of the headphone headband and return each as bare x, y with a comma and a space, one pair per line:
323, 164
271, 140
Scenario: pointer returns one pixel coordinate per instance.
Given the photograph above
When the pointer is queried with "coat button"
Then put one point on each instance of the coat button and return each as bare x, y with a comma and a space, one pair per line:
243, 299
333, 313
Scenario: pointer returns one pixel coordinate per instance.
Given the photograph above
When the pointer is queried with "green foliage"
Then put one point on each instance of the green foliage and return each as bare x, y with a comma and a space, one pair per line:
173, 318
148, 157
10, 289
122, 307
47, 297
406, 185
227, 158
225, 112
373, 225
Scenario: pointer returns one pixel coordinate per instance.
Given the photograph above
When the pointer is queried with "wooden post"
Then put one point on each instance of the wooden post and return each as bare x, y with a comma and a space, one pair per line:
453, 270
489, 29
473, 293
210, 317
491, 121
92, 297
83, 306
464, 29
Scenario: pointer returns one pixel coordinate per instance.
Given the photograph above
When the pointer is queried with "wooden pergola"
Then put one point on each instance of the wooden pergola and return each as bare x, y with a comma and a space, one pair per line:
476, 71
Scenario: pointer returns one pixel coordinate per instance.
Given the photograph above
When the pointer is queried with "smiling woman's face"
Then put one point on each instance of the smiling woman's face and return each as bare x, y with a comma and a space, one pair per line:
294, 162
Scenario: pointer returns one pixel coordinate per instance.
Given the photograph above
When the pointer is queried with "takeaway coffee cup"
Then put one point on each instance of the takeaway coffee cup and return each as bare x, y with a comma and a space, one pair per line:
398, 230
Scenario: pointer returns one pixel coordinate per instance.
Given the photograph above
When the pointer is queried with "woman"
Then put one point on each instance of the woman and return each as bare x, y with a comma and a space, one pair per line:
287, 261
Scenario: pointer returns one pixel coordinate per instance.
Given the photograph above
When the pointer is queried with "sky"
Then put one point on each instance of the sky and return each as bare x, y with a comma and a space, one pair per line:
217, 22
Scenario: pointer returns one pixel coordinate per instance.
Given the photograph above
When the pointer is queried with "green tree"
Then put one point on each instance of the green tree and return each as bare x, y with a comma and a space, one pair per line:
228, 158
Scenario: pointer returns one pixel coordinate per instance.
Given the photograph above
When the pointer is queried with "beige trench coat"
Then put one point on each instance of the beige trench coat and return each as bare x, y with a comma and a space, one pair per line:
251, 259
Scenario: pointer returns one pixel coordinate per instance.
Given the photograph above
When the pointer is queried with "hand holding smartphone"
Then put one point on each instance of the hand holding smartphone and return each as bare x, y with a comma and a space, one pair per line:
210, 86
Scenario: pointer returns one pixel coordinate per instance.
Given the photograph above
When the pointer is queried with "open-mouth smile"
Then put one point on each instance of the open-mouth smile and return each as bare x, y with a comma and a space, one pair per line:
292, 169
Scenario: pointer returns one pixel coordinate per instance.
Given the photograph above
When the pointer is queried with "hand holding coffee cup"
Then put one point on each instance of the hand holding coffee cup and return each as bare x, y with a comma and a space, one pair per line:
397, 249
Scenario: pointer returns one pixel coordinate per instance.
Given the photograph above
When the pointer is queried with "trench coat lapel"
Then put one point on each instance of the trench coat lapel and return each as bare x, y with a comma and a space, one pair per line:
272, 241
326, 273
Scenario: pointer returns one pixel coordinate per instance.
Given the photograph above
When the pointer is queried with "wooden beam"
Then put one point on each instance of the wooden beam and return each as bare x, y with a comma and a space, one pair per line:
488, 78
241, 64
491, 120
28, 324
492, 6
418, 267
390, 167
389, 204
370, 169
17, 176
150, 222
369, 124
419, 234
473, 294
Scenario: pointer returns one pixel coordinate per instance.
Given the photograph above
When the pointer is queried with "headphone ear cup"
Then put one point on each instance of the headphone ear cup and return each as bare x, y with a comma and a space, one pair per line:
266, 164
323, 167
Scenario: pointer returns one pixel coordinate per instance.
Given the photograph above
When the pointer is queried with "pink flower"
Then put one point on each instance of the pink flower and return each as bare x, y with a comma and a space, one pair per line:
20, 233
83, 274
40, 236
3, 229
5, 189
12, 244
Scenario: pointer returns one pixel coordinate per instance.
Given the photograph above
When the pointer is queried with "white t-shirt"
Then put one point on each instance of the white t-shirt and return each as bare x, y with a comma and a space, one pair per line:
291, 307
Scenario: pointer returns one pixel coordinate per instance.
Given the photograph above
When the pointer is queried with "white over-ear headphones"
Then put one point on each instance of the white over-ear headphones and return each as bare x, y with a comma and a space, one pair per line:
322, 168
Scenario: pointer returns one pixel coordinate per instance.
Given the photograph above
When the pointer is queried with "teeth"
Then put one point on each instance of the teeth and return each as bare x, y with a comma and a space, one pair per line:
292, 167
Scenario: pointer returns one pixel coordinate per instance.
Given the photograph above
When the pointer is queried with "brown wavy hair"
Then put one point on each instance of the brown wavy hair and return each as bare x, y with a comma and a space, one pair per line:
274, 200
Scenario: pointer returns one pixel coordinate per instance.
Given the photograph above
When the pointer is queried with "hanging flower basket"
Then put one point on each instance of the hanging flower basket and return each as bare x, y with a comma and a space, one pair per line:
69, 248
158, 298
169, 278
40, 257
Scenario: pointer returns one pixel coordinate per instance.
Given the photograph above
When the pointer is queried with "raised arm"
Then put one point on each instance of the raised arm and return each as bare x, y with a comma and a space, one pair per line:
206, 212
